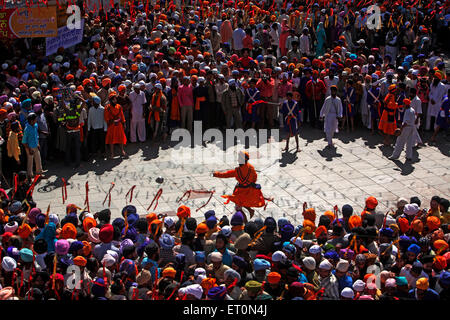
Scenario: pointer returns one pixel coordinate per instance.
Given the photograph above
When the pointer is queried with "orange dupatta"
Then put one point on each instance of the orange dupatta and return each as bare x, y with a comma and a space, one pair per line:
175, 110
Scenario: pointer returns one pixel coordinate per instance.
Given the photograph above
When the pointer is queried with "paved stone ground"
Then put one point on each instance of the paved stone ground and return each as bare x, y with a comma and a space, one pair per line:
323, 178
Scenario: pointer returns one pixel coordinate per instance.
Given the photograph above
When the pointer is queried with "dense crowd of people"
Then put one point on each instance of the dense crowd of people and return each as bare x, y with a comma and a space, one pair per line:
338, 255
143, 71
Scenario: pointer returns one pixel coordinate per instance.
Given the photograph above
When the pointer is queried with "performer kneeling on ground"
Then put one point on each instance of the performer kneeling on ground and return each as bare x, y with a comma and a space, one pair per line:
247, 193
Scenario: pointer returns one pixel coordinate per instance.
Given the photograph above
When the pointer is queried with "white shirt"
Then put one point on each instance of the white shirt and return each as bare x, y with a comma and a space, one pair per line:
137, 104
96, 118
409, 117
304, 44
238, 36
329, 83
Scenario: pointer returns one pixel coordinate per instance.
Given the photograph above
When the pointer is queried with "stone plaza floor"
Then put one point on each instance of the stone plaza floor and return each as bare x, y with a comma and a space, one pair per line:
322, 177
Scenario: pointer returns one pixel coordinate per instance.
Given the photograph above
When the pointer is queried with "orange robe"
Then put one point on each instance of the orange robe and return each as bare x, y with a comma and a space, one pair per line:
115, 119
246, 193
387, 122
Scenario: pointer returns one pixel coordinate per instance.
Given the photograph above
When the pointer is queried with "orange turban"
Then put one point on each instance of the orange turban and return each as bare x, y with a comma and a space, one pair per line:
86, 82
309, 226
24, 231
329, 214
440, 245
183, 212
321, 230
134, 67
273, 278
202, 228
403, 224
88, 223
440, 263
79, 261
371, 203
150, 217
208, 283
169, 272
310, 214
106, 81
417, 225
422, 283
354, 222
112, 94
86, 248
433, 223
68, 231
363, 214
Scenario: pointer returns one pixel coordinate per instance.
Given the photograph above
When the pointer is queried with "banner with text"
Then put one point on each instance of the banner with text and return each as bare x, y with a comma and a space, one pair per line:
66, 38
28, 22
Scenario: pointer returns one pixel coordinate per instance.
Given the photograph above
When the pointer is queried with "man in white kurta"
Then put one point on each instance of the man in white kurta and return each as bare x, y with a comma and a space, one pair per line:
407, 133
331, 111
416, 104
437, 93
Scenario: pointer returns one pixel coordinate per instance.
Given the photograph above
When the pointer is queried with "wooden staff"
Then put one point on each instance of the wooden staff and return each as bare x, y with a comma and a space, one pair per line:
130, 192
47, 214
55, 262
156, 198
86, 202
64, 190
257, 235
28, 211
108, 195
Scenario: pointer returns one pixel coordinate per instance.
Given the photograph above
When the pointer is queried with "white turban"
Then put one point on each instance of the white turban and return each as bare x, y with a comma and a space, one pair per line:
315, 249
199, 271
279, 256
359, 285
309, 263
9, 264
411, 209
347, 293
342, 265
216, 257
298, 242
196, 290
108, 260
325, 265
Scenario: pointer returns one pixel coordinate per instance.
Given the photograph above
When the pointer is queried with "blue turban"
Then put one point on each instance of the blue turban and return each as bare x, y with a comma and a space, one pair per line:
287, 232
414, 248
166, 241
444, 278
132, 218
217, 293
98, 288
97, 99
240, 262
49, 235
289, 247
130, 209
211, 221
209, 213
401, 281
128, 267
333, 255
119, 223
261, 264
75, 246
25, 104
388, 232
199, 256
131, 233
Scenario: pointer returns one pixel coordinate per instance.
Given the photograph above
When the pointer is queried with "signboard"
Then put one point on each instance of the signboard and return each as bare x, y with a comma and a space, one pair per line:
28, 22
66, 38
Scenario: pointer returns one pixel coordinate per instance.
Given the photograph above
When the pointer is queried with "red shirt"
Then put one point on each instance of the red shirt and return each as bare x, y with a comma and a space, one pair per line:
315, 90
265, 88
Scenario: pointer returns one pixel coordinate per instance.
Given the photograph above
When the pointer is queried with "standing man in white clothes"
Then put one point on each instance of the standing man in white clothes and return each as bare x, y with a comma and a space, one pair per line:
331, 111
407, 133
137, 98
437, 93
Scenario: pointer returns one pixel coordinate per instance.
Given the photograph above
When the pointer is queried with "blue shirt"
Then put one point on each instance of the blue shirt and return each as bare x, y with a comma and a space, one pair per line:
30, 135
344, 282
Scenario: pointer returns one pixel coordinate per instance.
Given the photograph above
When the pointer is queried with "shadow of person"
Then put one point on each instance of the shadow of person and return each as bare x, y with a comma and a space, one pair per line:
406, 167
287, 158
386, 150
329, 153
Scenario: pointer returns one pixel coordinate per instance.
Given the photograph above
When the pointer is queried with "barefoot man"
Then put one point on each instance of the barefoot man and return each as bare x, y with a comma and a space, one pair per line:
247, 193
